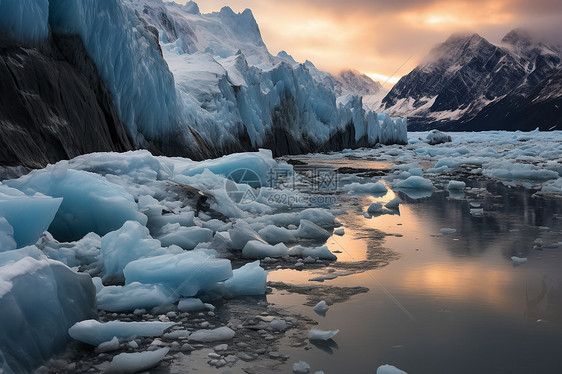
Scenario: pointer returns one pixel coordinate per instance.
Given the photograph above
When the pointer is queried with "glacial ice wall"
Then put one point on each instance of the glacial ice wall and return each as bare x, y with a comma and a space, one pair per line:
127, 56
24, 20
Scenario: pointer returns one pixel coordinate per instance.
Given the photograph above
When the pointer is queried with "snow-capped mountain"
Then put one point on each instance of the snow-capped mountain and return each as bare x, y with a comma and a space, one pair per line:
465, 74
179, 82
355, 83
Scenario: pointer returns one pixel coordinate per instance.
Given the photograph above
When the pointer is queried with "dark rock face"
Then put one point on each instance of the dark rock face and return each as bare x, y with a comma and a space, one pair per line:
54, 106
539, 107
470, 84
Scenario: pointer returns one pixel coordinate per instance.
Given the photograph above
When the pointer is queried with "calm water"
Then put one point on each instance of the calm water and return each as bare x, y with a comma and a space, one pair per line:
450, 303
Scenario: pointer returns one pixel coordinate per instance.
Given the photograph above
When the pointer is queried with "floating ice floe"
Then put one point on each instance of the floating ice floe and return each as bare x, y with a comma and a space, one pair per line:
339, 232
321, 307
316, 334
322, 252
416, 183
214, 335
393, 204
301, 367
137, 361
372, 188
94, 332
518, 260
447, 230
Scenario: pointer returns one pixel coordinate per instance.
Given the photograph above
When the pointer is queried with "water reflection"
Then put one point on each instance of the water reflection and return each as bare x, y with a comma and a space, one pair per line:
474, 311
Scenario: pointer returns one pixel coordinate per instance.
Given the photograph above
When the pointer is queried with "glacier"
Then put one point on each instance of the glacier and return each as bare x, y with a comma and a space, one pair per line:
197, 85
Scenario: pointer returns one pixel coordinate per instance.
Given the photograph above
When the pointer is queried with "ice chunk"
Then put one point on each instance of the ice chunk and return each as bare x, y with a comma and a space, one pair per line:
339, 232
185, 237
437, 137
372, 188
322, 252
415, 182
301, 367
316, 334
277, 324
29, 216
518, 260
131, 242
447, 230
191, 304
218, 334
90, 202
84, 253
389, 369
477, 211
275, 234
39, 300
250, 279
321, 307
456, 185
137, 361
257, 249
94, 332
393, 204
108, 346
242, 233
134, 296
375, 208
310, 230
186, 273
7, 241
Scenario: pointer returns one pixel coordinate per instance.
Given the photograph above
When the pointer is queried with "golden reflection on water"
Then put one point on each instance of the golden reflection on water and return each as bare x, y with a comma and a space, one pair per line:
427, 266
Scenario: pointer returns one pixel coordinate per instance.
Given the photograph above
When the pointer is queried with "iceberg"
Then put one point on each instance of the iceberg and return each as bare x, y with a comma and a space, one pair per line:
249, 279
185, 274
27, 216
39, 300
89, 202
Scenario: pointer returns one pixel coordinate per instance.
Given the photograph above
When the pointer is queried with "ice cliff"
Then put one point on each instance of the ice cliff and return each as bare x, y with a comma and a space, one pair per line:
86, 76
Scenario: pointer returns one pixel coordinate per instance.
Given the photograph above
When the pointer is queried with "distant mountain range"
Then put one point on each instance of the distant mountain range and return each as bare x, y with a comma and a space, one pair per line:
470, 84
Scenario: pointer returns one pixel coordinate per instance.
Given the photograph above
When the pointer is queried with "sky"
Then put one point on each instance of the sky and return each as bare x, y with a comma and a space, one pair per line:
385, 39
